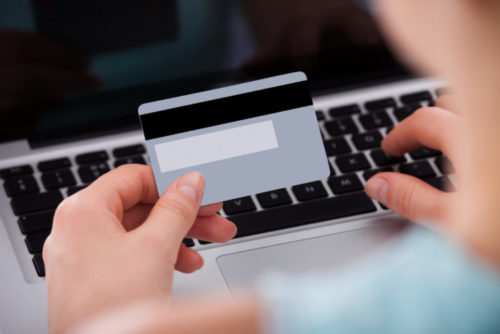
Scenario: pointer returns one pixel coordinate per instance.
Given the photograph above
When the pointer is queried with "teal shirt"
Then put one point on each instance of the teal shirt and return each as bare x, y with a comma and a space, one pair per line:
424, 284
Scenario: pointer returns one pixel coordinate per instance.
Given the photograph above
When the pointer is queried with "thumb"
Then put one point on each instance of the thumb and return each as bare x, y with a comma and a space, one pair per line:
410, 197
174, 213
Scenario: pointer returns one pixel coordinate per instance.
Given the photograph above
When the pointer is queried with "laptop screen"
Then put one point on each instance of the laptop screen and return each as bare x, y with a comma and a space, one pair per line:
74, 69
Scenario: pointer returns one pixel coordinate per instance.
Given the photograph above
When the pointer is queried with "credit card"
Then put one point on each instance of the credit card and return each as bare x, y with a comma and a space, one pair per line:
245, 139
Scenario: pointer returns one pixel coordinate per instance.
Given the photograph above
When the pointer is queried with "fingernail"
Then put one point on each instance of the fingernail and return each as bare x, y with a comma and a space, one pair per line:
377, 188
190, 185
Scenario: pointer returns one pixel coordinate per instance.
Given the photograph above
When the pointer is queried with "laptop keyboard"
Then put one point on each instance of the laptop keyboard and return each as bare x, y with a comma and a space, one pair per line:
352, 140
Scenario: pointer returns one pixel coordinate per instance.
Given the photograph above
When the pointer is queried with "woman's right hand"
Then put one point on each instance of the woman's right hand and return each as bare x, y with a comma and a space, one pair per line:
412, 198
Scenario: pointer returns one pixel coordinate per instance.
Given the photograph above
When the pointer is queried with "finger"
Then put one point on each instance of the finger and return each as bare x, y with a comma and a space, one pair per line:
432, 127
134, 217
213, 229
27, 47
175, 211
121, 189
410, 197
188, 260
447, 102
210, 209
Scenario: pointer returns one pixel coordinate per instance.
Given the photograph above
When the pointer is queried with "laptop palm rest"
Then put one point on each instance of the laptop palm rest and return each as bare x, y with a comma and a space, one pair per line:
242, 270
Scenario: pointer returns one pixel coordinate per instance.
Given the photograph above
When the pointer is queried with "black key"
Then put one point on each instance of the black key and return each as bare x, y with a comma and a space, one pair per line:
131, 160
203, 242
375, 120
441, 183
308, 191
274, 198
301, 214
89, 173
239, 205
416, 97
389, 129
352, 162
36, 222
341, 126
344, 110
21, 185
35, 241
61, 163
320, 116
58, 179
188, 242
16, 171
75, 189
92, 157
336, 146
444, 164
406, 111
367, 140
369, 173
39, 265
380, 104
345, 184
420, 169
36, 202
383, 159
423, 152
129, 150
332, 171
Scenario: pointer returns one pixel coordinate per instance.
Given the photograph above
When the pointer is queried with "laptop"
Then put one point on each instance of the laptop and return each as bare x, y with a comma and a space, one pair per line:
67, 121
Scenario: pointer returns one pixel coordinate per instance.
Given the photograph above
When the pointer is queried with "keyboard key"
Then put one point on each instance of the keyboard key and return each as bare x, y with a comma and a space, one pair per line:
61, 163
404, 112
367, 140
301, 214
129, 150
203, 242
35, 241
16, 171
188, 242
92, 157
344, 110
239, 205
58, 179
369, 173
22, 185
36, 202
36, 222
345, 184
89, 173
320, 116
444, 164
336, 146
352, 162
442, 183
380, 104
420, 169
39, 265
341, 126
308, 191
416, 97
130, 160
75, 189
383, 159
423, 152
274, 198
375, 120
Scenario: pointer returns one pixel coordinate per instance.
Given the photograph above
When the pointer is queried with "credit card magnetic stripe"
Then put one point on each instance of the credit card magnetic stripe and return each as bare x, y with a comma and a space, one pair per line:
225, 110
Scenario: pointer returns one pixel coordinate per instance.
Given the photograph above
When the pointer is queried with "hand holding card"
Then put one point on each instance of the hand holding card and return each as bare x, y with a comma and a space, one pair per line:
245, 139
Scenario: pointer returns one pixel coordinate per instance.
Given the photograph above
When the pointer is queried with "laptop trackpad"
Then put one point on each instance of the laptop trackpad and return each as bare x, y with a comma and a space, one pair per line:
241, 270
